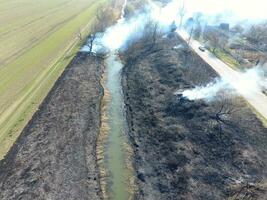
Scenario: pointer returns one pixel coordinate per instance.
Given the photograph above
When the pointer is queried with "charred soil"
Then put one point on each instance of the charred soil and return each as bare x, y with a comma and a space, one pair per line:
188, 149
55, 156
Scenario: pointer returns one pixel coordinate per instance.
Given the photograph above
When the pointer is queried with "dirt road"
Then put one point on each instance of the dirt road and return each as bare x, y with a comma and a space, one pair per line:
255, 97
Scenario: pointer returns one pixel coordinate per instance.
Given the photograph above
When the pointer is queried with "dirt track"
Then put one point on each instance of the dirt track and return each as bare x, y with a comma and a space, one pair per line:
55, 156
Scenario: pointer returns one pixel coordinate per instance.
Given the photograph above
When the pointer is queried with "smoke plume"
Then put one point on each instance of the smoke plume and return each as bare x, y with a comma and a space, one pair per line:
248, 82
229, 10
207, 92
125, 30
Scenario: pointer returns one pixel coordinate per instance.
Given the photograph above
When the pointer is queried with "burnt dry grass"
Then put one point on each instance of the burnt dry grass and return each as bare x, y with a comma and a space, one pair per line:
189, 149
55, 156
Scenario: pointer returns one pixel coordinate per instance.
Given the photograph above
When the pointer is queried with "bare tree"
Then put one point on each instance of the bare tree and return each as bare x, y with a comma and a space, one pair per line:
257, 34
195, 27
249, 191
190, 34
147, 44
182, 12
151, 33
80, 37
104, 18
91, 41
223, 41
212, 37
197, 32
221, 119
237, 29
198, 28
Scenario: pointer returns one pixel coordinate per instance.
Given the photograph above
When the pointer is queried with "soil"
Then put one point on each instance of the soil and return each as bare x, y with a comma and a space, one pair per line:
55, 156
184, 149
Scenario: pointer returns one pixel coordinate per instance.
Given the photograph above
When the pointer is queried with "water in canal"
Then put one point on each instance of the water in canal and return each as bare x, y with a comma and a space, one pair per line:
115, 151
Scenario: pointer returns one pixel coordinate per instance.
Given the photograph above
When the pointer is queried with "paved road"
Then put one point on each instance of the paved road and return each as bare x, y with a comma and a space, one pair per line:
255, 97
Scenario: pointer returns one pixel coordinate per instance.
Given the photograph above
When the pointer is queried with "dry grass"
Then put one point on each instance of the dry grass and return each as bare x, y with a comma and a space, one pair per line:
100, 150
102, 138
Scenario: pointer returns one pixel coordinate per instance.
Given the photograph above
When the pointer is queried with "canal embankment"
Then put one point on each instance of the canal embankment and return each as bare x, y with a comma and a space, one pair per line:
55, 156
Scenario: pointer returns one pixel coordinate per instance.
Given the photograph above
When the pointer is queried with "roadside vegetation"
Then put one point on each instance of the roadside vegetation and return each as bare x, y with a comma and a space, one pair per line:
226, 58
37, 42
239, 46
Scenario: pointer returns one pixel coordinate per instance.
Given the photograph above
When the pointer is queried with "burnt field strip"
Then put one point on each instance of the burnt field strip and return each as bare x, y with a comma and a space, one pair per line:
38, 40
120, 128
55, 156
188, 149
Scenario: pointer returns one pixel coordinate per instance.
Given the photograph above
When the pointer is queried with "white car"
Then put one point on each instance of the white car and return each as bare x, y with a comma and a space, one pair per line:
201, 48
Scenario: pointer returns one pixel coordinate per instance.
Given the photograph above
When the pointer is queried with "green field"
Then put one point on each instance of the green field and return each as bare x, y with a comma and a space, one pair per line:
38, 39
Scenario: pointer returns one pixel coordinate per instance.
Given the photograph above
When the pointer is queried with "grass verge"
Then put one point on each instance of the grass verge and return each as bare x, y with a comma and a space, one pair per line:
226, 58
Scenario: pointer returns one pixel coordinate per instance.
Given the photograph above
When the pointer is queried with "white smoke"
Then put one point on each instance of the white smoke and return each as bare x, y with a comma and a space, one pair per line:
123, 9
231, 10
125, 30
250, 81
164, 16
118, 35
207, 92
246, 84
